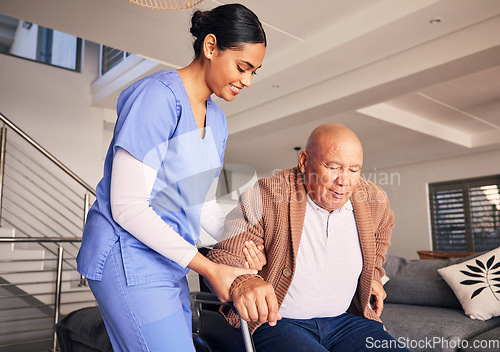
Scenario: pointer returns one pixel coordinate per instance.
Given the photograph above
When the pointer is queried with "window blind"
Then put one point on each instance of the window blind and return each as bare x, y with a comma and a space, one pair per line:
465, 214
111, 57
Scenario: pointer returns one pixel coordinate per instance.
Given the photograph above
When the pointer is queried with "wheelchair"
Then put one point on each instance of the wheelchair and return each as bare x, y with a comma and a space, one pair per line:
211, 331
83, 330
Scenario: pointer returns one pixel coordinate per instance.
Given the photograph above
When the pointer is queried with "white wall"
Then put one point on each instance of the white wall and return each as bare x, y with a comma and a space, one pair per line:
410, 200
53, 106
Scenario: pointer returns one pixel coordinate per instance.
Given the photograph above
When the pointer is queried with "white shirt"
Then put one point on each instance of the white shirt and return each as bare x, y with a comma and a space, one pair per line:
329, 263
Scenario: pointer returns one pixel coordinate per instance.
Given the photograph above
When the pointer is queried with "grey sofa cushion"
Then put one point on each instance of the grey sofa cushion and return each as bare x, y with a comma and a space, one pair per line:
487, 341
432, 328
418, 282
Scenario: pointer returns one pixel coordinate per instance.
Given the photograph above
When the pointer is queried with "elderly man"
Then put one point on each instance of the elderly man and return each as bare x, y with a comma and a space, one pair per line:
325, 231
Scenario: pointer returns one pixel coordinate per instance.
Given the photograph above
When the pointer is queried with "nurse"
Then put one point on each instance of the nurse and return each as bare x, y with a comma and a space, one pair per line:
168, 146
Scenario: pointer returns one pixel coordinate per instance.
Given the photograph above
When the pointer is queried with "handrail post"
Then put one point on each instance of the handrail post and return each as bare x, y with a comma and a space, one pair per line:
3, 145
86, 207
57, 301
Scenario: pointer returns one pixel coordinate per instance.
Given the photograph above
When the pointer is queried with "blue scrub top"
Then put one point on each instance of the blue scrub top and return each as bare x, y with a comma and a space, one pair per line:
156, 125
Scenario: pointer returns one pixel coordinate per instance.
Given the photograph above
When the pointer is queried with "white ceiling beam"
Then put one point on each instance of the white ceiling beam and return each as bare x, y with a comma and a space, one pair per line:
382, 73
396, 116
486, 139
337, 34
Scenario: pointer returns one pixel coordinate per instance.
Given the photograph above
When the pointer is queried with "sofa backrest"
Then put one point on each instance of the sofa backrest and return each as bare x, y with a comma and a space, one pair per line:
418, 282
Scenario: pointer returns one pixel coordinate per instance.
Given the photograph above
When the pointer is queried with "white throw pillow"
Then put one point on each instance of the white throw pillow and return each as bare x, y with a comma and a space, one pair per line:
476, 283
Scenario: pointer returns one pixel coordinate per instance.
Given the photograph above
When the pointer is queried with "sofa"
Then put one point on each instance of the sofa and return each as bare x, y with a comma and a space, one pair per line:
423, 313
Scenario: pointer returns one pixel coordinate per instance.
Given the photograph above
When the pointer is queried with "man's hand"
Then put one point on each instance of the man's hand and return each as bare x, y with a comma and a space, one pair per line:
255, 300
254, 256
377, 301
220, 276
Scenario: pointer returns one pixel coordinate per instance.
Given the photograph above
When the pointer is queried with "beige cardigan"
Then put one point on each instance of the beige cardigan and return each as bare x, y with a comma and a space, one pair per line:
273, 213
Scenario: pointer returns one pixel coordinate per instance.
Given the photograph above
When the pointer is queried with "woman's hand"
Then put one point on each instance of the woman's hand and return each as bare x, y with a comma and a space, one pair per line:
223, 277
254, 256
220, 276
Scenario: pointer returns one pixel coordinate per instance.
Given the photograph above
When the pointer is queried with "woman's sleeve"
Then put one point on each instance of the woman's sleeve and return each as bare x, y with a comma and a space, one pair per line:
212, 215
131, 185
147, 118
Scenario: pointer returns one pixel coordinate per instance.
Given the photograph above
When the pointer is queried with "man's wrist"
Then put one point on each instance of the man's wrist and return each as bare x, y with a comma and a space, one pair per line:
241, 280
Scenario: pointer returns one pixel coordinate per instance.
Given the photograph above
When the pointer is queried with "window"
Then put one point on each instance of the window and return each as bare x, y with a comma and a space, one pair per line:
465, 214
30, 41
111, 57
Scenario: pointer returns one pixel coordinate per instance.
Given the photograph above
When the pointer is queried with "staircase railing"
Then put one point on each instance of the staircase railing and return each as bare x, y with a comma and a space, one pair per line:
44, 204
35, 293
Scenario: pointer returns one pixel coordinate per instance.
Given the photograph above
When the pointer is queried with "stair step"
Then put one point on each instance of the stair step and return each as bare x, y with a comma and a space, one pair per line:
7, 232
14, 259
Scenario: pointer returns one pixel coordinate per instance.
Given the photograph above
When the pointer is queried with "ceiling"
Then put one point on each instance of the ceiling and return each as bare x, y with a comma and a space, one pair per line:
413, 91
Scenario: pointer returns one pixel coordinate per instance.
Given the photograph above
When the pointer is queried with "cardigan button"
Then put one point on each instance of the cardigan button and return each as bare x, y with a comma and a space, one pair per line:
287, 272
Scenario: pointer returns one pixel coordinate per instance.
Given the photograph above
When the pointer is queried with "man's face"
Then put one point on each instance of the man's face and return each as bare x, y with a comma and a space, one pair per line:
332, 170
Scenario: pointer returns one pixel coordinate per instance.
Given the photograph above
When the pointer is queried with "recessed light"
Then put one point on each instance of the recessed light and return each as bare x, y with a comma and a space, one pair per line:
435, 20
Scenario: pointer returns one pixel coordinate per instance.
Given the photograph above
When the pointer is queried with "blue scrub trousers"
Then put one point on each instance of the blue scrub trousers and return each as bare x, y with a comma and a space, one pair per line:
154, 316
344, 333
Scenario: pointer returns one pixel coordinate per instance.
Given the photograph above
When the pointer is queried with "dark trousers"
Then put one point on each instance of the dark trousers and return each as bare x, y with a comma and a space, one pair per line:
344, 333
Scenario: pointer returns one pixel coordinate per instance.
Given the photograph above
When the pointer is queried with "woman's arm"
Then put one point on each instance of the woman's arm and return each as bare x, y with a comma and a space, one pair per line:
131, 185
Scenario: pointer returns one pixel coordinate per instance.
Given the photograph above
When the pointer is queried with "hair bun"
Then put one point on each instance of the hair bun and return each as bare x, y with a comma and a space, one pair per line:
198, 21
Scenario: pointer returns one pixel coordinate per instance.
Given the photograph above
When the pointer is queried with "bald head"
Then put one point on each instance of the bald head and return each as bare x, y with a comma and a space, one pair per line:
331, 165
332, 135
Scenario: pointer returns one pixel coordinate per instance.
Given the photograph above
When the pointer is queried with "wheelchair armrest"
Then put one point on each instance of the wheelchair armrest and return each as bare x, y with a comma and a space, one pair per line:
199, 299
209, 298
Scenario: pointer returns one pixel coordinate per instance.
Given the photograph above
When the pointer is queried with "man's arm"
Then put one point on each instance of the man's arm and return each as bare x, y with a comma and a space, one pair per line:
383, 219
252, 296
243, 224
383, 232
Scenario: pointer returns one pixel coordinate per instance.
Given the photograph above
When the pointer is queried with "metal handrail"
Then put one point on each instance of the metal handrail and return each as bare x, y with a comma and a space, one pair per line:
40, 240
20, 174
34, 205
12, 145
47, 154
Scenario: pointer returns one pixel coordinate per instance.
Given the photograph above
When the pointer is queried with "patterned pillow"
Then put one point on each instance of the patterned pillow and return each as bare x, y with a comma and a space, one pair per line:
476, 283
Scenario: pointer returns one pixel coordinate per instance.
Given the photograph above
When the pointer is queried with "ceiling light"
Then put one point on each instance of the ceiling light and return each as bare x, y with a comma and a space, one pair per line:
297, 149
435, 20
166, 4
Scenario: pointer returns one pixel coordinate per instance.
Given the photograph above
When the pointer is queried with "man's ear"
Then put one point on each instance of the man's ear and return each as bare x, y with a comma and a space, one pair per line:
209, 46
303, 157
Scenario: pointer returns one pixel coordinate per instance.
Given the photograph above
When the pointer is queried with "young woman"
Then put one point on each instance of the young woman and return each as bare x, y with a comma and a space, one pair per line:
167, 148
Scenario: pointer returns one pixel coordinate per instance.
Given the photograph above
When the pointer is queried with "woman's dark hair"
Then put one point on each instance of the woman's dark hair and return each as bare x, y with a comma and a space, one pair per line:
233, 25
